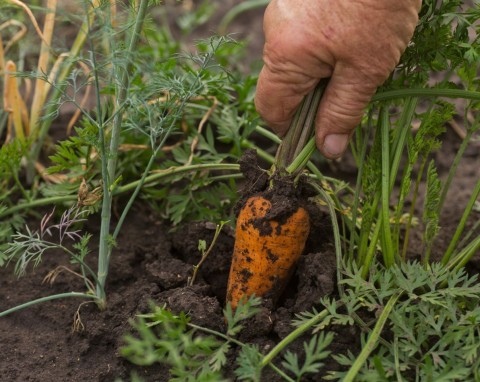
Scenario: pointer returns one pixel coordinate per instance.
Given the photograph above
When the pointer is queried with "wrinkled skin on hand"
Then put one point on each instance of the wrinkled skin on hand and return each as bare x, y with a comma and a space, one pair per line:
357, 43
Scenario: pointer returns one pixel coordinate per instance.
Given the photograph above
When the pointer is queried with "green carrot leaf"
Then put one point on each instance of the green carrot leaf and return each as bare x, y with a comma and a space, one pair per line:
431, 213
315, 353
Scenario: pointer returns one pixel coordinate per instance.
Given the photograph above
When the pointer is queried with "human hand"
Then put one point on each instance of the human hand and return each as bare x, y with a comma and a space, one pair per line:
356, 43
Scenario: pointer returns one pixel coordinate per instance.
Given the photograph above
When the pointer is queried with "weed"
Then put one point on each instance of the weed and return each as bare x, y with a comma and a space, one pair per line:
30, 247
202, 246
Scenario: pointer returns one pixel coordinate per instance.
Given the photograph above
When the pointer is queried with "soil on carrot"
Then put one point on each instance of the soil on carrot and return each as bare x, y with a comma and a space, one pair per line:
151, 264
285, 196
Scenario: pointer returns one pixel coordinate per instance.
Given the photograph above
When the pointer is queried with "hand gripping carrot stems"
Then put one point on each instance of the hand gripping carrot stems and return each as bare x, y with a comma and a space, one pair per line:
271, 232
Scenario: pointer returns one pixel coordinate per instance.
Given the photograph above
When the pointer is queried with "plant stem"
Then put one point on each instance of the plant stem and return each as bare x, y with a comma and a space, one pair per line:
149, 181
405, 120
404, 125
39, 94
281, 373
302, 159
412, 208
20, 186
160, 174
422, 92
388, 255
372, 339
121, 89
453, 169
104, 241
465, 255
468, 235
141, 182
88, 284
109, 162
37, 203
260, 153
218, 229
389, 171
358, 186
366, 238
371, 249
297, 146
292, 337
336, 234
271, 159
219, 178
12, 100
216, 333
83, 265
267, 134
397, 359
156, 147
44, 299
241, 344
461, 225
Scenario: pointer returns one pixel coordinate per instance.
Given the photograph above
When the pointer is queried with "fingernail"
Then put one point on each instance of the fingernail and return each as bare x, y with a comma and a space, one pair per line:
335, 144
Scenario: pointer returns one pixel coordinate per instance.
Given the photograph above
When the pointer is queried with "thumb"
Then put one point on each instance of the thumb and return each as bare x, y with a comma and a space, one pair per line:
341, 109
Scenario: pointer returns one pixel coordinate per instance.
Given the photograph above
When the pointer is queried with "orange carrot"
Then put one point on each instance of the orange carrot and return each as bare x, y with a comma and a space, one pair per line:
265, 250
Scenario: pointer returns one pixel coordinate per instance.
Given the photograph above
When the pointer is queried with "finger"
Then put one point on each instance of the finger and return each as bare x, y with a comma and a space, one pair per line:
341, 109
290, 72
278, 96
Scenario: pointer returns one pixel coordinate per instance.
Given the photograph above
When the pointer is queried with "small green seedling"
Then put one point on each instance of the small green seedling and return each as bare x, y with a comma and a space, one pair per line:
202, 247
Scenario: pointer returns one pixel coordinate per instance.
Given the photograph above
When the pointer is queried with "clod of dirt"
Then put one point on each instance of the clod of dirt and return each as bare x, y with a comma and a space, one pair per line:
168, 272
197, 302
285, 195
282, 322
260, 325
317, 279
256, 178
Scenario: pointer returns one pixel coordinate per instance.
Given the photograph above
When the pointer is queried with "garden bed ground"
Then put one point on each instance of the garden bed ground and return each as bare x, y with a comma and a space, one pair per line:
150, 263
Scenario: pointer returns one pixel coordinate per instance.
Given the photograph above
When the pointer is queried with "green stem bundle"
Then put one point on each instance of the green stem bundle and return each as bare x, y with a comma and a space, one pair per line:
298, 145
